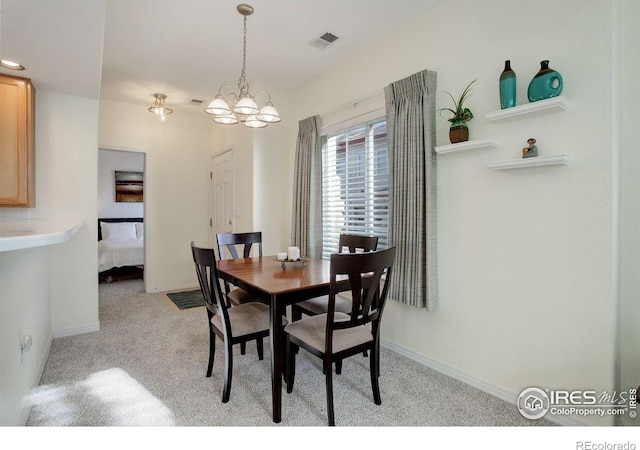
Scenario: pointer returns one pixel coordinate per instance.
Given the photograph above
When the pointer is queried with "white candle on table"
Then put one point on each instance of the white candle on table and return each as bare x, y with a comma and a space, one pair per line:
293, 253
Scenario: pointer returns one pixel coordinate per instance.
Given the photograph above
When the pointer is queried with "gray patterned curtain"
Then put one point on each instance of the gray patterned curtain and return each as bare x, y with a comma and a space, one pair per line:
410, 107
306, 217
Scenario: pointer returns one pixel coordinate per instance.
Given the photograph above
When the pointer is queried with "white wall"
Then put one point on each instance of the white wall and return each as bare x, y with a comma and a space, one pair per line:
272, 179
51, 291
67, 158
176, 185
108, 162
526, 258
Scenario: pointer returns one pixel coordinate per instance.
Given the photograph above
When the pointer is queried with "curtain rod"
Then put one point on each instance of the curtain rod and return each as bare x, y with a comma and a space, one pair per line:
352, 121
353, 103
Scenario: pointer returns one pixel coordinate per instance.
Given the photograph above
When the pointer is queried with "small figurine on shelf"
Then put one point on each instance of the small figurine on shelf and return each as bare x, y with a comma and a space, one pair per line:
531, 151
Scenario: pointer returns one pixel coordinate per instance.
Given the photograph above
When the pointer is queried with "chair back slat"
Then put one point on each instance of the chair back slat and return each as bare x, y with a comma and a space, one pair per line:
371, 303
369, 274
355, 280
357, 244
231, 241
207, 272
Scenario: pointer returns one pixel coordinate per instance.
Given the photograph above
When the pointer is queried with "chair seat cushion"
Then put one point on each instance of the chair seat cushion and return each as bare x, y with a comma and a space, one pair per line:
312, 330
239, 296
245, 319
319, 305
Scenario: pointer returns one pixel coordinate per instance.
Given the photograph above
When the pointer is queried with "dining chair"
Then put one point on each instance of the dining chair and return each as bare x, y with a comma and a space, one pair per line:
335, 335
231, 242
237, 325
318, 305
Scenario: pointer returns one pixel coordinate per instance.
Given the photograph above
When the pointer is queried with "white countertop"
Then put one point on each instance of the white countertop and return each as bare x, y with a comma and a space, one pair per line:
21, 234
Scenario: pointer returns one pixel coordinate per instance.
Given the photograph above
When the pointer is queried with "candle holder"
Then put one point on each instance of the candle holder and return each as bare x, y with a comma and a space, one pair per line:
303, 261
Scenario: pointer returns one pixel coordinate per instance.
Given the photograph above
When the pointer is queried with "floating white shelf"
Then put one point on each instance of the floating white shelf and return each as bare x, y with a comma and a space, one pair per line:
531, 162
550, 105
468, 146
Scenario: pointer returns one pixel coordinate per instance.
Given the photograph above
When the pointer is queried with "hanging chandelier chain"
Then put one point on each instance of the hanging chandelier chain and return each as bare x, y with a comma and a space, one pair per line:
242, 82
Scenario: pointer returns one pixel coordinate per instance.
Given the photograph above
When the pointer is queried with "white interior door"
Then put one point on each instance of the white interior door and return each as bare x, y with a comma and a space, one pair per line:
222, 194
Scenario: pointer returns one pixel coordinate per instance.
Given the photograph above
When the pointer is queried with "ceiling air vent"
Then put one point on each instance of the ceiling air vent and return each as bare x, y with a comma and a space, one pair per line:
195, 101
324, 41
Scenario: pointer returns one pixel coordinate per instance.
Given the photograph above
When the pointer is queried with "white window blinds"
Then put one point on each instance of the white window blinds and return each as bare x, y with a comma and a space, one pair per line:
355, 185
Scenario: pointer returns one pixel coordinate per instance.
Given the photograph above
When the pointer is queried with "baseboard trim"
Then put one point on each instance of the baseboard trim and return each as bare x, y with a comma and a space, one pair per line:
75, 331
478, 383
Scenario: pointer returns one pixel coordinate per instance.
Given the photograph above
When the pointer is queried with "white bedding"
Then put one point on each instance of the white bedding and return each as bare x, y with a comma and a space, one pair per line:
120, 253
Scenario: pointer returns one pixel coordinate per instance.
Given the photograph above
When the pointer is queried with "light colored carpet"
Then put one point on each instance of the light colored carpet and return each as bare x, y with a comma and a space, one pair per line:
147, 364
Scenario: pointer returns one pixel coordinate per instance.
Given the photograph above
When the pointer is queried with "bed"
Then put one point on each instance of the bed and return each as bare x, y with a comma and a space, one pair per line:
120, 246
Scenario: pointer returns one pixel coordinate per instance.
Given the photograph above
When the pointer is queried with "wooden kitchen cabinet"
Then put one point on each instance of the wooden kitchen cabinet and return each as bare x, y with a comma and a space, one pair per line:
17, 142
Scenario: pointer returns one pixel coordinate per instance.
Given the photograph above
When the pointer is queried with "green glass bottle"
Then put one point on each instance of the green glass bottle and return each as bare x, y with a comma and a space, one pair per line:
546, 84
507, 86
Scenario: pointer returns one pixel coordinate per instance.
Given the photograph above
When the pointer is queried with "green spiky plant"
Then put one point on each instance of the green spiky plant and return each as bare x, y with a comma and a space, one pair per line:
460, 112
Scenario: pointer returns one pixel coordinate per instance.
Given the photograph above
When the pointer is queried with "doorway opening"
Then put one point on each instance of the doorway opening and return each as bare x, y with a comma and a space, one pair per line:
122, 253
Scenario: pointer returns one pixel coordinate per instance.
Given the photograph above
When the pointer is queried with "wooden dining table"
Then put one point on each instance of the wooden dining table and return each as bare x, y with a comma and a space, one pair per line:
265, 278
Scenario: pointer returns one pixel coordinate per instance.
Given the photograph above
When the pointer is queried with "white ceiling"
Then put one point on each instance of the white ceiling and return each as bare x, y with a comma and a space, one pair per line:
185, 48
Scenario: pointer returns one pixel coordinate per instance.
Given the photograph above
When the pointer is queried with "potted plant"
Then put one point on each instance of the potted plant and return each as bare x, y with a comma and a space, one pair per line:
458, 131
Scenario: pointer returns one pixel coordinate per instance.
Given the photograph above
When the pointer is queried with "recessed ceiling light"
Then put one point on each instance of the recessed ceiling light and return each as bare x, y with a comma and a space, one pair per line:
11, 65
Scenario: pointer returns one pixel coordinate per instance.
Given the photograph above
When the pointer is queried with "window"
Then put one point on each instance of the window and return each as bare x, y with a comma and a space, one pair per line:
355, 185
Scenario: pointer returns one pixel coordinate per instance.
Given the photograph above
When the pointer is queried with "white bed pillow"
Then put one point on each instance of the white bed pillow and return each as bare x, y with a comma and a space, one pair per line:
118, 231
140, 231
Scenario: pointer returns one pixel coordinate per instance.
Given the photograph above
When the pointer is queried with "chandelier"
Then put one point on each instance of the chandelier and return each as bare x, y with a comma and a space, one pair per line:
233, 107
160, 106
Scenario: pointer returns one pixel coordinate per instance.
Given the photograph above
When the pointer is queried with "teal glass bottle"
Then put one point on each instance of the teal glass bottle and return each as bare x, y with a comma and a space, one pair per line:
546, 84
507, 86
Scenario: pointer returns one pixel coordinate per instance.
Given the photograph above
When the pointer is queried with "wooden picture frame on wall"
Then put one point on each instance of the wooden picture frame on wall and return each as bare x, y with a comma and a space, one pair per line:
129, 186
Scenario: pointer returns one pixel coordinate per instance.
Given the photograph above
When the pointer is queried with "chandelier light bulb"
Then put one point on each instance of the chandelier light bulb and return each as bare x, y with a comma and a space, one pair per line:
268, 114
253, 122
218, 106
246, 106
226, 119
